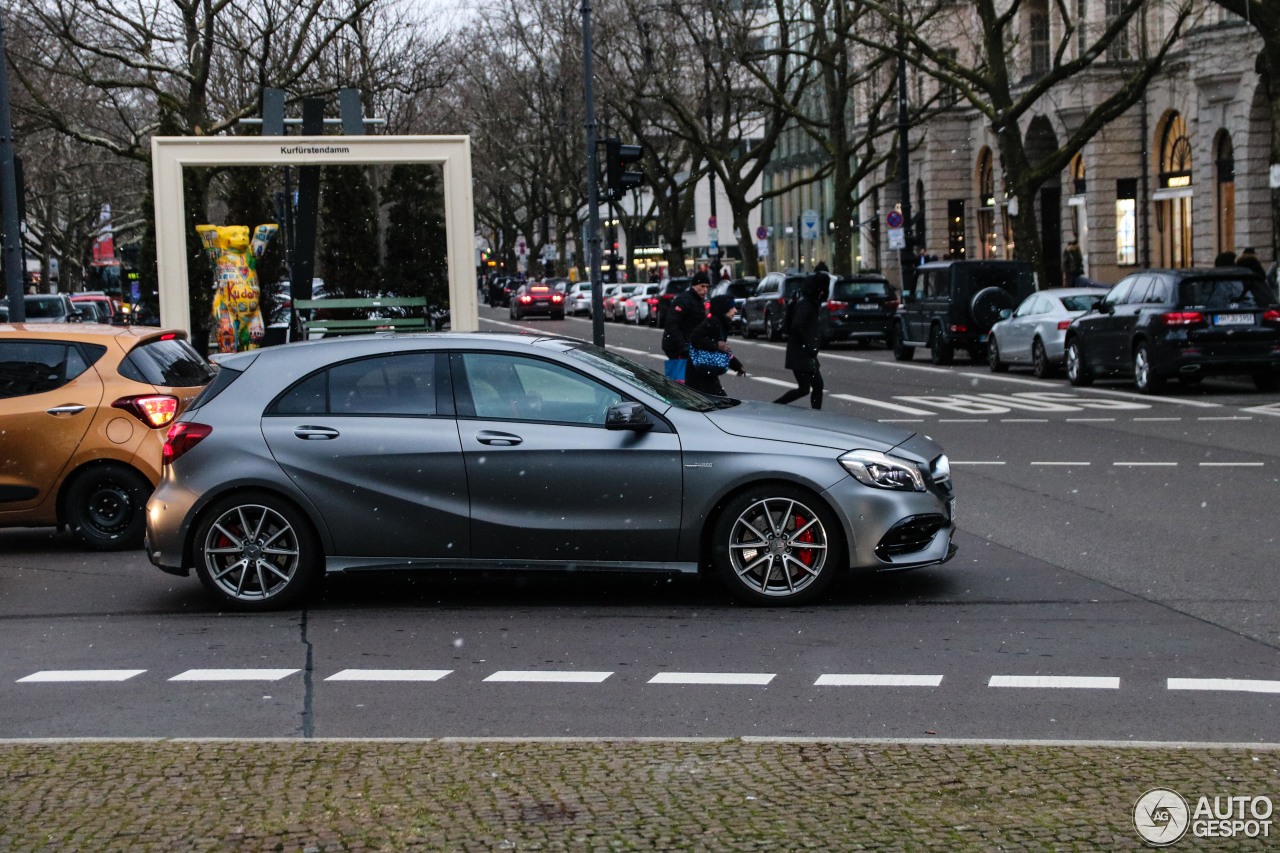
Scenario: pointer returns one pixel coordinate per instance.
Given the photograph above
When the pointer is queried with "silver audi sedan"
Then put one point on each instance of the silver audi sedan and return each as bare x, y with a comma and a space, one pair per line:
1034, 332
498, 451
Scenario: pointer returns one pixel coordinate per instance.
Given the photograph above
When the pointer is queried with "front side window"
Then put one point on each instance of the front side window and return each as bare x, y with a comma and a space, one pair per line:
509, 387
1118, 294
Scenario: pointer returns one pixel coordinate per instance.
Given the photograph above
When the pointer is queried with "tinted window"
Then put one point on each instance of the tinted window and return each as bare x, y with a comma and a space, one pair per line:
1120, 292
511, 387
171, 363
45, 307
1080, 303
846, 289
936, 283
1011, 279
34, 367
389, 385
1215, 293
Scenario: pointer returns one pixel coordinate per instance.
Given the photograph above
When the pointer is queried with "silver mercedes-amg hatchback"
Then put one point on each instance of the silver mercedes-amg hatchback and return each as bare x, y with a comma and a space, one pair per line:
497, 451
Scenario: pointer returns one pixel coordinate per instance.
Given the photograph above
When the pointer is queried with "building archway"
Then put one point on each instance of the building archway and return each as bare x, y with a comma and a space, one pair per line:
1042, 141
1174, 192
988, 238
1077, 203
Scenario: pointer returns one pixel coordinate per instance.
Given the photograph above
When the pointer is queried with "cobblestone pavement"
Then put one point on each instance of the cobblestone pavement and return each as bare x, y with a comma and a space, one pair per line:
606, 795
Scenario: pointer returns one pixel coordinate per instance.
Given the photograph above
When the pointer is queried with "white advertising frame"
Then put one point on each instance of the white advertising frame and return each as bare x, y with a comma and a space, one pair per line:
171, 154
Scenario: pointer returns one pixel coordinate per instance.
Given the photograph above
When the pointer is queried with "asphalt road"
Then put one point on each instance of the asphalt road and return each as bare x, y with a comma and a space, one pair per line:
1115, 582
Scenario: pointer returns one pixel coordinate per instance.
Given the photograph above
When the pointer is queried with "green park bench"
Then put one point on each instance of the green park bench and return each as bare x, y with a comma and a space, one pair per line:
415, 319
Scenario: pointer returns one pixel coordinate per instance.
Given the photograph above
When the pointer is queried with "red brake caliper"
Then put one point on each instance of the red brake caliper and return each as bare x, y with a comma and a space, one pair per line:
805, 554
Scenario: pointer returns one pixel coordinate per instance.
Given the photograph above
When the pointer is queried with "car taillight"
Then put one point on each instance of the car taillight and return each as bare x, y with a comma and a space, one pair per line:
557, 298
1271, 316
154, 410
1182, 318
526, 299
891, 304
782, 301
653, 302
960, 329
1063, 324
835, 305
182, 436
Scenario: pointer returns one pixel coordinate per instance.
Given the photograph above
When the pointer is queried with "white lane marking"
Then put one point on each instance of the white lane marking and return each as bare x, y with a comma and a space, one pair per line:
1090, 420
1147, 398
549, 676
974, 462
48, 676
1268, 409
1226, 418
1024, 420
877, 680
630, 351
389, 675
900, 420
1145, 464
1239, 685
962, 420
234, 674
1232, 464
1056, 681
1157, 419
895, 407
740, 678
1061, 463
1014, 379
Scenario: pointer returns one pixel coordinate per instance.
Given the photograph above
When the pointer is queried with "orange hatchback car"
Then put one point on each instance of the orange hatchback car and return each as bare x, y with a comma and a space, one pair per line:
84, 410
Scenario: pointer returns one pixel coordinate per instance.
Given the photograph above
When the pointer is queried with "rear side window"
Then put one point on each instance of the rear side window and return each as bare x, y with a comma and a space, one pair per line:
173, 363
1215, 293
1008, 278
35, 367
854, 289
401, 384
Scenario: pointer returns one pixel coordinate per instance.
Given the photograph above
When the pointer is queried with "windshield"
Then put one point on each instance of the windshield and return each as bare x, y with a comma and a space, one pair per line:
46, 307
649, 381
853, 289
1213, 293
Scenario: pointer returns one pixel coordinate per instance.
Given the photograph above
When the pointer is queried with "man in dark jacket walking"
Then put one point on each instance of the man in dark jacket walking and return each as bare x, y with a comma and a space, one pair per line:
713, 335
804, 338
688, 310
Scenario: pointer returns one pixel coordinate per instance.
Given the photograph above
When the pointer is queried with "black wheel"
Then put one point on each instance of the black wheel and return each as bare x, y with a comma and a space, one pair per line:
106, 507
1266, 381
941, 350
1077, 374
1146, 379
773, 329
901, 352
254, 551
1041, 367
993, 358
749, 332
777, 545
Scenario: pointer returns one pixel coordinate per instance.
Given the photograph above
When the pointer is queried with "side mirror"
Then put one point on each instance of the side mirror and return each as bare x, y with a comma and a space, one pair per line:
631, 416
1005, 313
1106, 308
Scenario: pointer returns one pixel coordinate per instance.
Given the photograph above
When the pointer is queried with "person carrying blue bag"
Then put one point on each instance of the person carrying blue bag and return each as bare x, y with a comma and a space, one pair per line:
686, 314
709, 353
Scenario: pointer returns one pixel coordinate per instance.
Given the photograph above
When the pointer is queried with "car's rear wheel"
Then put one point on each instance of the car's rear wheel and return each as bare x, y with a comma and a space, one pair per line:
1144, 377
941, 350
777, 545
1041, 367
106, 507
993, 358
901, 352
1077, 374
773, 329
255, 551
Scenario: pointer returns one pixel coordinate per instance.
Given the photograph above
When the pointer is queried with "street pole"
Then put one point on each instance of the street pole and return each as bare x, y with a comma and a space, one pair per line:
904, 153
12, 250
713, 246
593, 188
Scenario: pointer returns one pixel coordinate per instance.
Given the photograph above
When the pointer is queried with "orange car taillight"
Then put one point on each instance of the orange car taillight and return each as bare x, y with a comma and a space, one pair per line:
154, 410
182, 437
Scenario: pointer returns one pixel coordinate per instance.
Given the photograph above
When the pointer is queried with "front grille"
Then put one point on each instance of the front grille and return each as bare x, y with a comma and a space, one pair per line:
910, 535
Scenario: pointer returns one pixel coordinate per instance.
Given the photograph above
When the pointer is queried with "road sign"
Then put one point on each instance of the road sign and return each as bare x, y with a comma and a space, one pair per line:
762, 233
713, 234
897, 239
894, 219
809, 225
762, 249
711, 222
522, 248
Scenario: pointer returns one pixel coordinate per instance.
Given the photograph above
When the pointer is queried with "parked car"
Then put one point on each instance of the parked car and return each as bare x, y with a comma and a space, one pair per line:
740, 289
578, 299
954, 304
607, 294
93, 312
641, 307
671, 287
617, 310
1156, 325
85, 408
402, 451
111, 307
765, 311
537, 299
860, 307
50, 308
1036, 332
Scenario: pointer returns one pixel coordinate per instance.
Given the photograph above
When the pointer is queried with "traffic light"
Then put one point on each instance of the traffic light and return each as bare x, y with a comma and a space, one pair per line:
617, 158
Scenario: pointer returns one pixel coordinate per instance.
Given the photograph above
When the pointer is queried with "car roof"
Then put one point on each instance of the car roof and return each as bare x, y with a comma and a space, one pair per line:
82, 332
1076, 291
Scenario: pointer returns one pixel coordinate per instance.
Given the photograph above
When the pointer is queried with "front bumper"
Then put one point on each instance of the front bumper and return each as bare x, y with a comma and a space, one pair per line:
891, 531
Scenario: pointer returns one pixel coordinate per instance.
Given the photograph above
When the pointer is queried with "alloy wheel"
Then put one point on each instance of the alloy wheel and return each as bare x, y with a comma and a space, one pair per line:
777, 547
251, 553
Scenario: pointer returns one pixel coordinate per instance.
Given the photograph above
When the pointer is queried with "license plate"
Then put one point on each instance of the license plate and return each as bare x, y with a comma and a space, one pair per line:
867, 307
1233, 319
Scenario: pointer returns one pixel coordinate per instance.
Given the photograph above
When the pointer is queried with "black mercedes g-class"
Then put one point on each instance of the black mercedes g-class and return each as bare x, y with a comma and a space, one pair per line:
954, 304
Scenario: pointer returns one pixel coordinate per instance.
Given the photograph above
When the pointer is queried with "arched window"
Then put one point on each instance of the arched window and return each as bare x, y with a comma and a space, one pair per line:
1173, 197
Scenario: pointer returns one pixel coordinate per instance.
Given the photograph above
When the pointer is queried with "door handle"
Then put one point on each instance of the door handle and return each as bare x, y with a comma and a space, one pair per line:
315, 433
71, 409
498, 439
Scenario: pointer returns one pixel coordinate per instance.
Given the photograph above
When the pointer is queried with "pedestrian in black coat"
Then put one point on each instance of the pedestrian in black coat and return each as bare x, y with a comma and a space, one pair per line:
804, 339
713, 334
687, 312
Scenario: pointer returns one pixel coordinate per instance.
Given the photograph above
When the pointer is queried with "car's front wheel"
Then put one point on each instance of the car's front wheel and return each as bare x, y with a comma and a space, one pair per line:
254, 551
1077, 374
777, 545
993, 358
106, 507
1145, 378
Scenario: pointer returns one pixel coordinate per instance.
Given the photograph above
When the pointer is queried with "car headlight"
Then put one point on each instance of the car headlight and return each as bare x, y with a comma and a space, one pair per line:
872, 468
